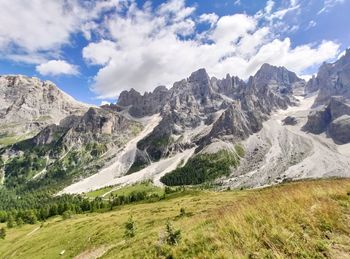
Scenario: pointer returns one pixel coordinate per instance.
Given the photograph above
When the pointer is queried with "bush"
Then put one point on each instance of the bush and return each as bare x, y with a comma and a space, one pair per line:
182, 212
67, 214
2, 233
173, 237
10, 222
130, 228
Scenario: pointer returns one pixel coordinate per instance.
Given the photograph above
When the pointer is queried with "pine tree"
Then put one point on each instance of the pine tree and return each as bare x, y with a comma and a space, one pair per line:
173, 237
130, 228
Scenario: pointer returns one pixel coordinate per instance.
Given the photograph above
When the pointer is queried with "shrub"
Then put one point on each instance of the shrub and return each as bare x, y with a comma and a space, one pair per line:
2, 233
10, 222
182, 212
67, 214
130, 228
173, 237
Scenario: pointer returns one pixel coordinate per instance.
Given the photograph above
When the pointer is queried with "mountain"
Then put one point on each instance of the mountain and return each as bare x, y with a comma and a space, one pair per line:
333, 79
230, 132
29, 104
331, 109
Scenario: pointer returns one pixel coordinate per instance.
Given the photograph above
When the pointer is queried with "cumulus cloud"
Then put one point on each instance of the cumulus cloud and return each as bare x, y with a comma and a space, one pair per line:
210, 18
144, 47
57, 67
34, 31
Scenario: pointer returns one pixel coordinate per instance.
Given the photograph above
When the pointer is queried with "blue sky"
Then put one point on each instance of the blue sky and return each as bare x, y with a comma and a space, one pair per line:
93, 50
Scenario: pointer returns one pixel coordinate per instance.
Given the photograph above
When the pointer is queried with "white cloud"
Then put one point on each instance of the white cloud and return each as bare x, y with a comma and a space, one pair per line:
237, 2
210, 18
311, 24
144, 48
105, 103
329, 4
57, 67
37, 29
269, 6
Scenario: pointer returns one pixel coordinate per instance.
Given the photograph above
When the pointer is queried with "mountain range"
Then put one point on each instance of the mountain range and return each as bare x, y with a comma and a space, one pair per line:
228, 132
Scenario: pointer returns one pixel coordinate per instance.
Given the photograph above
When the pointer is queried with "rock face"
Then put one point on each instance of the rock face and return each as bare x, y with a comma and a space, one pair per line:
339, 129
279, 79
290, 120
318, 121
144, 105
333, 80
96, 125
331, 119
199, 110
332, 101
29, 104
312, 85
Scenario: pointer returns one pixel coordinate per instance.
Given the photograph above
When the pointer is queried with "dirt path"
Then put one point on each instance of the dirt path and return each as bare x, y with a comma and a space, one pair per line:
94, 253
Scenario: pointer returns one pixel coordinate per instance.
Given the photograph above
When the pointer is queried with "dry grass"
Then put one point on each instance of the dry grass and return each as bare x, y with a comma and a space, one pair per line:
308, 219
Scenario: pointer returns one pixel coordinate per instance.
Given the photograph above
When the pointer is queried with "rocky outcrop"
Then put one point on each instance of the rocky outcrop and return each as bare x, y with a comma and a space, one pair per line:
332, 101
312, 85
332, 119
278, 79
318, 121
197, 100
96, 125
28, 104
144, 105
290, 120
339, 129
333, 80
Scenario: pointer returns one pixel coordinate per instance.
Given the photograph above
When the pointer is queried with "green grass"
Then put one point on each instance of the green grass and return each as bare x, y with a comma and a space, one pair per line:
12, 139
146, 187
309, 219
99, 192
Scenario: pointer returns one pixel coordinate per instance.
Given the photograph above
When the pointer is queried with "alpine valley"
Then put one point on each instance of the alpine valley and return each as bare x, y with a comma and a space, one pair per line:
61, 156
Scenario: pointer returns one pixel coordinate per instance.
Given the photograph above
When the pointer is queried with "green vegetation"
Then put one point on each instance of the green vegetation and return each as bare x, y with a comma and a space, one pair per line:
309, 219
8, 139
130, 228
96, 149
146, 187
17, 210
136, 166
2, 233
99, 192
173, 237
20, 169
202, 168
240, 150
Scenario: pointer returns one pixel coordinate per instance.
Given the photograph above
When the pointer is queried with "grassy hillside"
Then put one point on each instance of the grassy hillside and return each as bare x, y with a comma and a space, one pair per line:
308, 219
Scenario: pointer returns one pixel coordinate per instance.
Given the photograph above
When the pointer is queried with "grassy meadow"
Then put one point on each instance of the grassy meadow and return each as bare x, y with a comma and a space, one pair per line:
306, 219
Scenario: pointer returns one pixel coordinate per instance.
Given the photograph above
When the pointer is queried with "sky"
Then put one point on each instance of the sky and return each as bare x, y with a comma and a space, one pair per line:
93, 50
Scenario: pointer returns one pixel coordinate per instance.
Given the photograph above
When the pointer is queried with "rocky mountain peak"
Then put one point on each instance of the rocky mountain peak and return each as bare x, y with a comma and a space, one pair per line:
29, 104
268, 73
199, 76
333, 79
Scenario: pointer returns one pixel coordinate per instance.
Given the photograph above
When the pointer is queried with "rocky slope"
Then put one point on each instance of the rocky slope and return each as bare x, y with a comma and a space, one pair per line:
29, 104
75, 148
249, 133
332, 105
